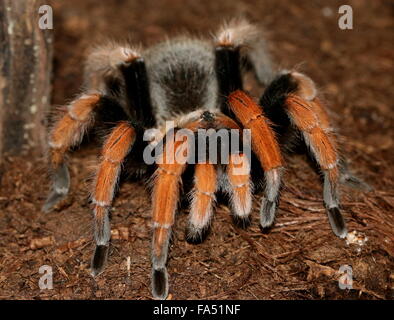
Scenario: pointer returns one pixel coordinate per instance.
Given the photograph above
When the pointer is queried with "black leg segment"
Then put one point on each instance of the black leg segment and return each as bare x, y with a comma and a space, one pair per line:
228, 72
137, 89
273, 99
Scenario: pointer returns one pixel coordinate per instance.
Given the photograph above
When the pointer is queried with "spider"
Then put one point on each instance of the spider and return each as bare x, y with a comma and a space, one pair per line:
197, 84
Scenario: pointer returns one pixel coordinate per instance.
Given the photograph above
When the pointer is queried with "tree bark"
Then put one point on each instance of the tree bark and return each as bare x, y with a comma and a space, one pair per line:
25, 70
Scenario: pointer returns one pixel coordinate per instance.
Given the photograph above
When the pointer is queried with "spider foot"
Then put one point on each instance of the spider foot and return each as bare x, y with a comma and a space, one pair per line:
60, 188
196, 235
267, 213
241, 222
337, 222
160, 283
347, 178
99, 259
354, 182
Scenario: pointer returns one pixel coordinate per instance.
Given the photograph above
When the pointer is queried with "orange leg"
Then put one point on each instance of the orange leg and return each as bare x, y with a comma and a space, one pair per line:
165, 197
240, 187
311, 119
266, 148
68, 132
115, 149
203, 199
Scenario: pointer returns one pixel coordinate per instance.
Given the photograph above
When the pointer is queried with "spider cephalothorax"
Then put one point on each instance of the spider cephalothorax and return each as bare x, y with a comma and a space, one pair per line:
197, 84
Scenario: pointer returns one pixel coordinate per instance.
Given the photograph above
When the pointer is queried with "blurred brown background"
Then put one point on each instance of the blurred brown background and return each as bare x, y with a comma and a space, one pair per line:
300, 257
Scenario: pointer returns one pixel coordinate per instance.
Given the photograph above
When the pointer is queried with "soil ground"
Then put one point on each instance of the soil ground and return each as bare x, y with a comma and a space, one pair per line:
300, 257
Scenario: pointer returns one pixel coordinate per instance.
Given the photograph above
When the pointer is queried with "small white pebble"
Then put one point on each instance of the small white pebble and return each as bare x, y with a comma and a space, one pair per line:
357, 238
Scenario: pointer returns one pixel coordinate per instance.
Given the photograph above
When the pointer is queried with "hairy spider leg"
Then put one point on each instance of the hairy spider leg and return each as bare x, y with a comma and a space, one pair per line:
202, 201
165, 197
115, 149
137, 91
291, 102
240, 188
68, 132
266, 148
98, 104
305, 115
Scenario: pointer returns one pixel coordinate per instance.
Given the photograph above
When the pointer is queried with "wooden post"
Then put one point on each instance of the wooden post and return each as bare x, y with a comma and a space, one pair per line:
25, 70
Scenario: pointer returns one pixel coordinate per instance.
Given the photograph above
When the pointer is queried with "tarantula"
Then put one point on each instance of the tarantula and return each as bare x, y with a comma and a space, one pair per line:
198, 84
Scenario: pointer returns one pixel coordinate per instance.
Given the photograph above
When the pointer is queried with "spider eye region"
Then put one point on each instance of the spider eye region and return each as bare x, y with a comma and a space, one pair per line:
208, 116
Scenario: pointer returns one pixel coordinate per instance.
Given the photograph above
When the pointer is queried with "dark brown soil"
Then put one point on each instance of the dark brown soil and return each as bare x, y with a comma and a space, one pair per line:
300, 257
